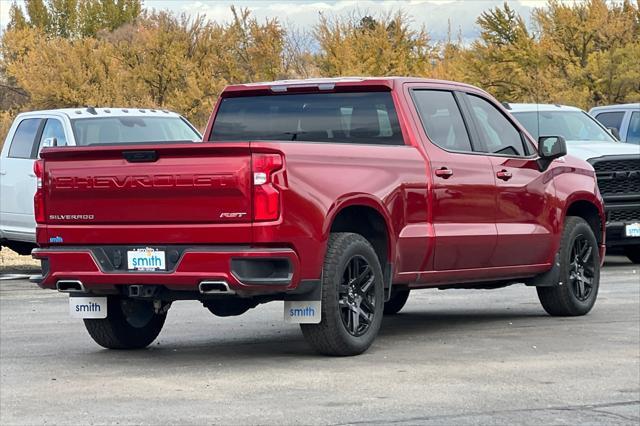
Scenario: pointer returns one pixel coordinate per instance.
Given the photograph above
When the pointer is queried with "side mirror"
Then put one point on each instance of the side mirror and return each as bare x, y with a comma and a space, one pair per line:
49, 142
550, 148
614, 132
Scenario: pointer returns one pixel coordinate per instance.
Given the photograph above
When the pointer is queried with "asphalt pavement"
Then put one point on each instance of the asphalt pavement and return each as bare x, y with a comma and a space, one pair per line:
463, 357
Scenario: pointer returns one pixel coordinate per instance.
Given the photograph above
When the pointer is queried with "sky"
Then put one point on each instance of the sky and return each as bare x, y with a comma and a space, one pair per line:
434, 14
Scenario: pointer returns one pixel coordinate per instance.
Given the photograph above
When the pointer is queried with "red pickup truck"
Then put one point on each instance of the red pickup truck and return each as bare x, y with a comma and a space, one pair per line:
336, 196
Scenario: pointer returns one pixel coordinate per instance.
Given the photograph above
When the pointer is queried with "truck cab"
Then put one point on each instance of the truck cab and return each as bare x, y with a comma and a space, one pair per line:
32, 131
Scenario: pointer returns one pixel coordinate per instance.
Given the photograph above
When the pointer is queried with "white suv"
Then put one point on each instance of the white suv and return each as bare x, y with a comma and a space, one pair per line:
617, 165
31, 131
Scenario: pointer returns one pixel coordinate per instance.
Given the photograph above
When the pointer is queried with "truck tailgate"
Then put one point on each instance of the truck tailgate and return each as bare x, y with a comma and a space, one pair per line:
148, 184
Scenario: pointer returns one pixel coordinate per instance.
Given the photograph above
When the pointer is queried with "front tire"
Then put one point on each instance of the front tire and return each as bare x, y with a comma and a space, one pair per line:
633, 253
576, 292
352, 298
130, 324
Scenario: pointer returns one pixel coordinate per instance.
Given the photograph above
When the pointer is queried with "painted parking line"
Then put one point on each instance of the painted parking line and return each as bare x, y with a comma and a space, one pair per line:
7, 277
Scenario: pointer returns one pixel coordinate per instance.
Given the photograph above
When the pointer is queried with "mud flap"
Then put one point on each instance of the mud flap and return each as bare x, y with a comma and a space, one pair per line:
304, 306
550, 278
87, 307
387, 277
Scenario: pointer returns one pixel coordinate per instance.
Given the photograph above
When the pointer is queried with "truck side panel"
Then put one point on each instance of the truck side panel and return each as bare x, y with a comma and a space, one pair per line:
321, 179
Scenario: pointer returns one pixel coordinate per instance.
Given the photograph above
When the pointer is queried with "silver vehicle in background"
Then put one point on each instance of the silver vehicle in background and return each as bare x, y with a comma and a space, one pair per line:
623, 120
32, 131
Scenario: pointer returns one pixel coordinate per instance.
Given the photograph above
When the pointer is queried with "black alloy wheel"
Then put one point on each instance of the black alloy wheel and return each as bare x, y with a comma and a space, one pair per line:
582, 268
356, 296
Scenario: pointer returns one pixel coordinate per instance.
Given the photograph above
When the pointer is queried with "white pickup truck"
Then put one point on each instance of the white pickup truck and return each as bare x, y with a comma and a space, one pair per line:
31, 131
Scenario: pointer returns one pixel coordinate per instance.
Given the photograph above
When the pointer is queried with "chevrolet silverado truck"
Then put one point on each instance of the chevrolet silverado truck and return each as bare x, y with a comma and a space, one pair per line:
617, 166
34, 130
336, 196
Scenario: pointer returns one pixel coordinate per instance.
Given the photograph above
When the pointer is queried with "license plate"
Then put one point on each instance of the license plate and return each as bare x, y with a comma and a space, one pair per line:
88, 307
146, 259
632, 230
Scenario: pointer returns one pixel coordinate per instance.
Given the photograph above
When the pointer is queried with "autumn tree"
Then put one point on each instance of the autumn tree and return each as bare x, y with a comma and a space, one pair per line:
77, 72
506, 59
366, 45
593, 46
450, 62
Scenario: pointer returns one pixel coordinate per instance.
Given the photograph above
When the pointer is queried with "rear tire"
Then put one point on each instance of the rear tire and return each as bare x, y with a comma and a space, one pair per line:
397, 301
577, 290
352, 298
633, 253
130, 324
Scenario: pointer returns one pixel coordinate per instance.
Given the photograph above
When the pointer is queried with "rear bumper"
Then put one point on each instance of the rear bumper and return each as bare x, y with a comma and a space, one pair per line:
247, 270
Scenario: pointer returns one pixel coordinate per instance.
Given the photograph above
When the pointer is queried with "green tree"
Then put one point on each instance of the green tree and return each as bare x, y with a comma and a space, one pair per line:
106, 15
63, 18
38, 14
17, 19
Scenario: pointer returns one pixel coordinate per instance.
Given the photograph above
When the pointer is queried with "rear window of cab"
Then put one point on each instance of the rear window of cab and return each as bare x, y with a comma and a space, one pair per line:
358, 118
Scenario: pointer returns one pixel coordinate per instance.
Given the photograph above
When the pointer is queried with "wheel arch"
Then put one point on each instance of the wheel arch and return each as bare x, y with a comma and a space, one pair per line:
589, 208
367, 216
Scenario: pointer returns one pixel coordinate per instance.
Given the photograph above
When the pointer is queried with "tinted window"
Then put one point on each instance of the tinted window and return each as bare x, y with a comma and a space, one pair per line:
22, 142
571, 125
315, 117
633, 134
106, 130
498, 133
53, 129
442, 119
611, 119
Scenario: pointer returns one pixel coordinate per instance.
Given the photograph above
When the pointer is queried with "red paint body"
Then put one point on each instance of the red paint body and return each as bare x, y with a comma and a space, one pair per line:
489, 218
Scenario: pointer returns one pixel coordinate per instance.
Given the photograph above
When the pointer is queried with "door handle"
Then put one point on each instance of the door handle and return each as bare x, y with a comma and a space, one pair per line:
444, 172
504, 175
32, 175
3, 172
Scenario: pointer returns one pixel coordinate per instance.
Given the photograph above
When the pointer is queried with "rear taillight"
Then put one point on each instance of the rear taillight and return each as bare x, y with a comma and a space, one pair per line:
266, 197
38, 199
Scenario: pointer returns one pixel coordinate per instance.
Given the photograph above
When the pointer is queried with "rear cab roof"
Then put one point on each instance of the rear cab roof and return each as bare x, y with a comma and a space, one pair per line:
89, 112
332, 84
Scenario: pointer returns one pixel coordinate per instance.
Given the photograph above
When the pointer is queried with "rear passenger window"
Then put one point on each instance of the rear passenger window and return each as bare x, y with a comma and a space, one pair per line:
498, 133
442, 119
365, 118
24, 138
611, 119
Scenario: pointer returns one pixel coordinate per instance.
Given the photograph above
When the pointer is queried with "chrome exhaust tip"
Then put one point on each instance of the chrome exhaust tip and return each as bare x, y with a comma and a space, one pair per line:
70, 286
215, 287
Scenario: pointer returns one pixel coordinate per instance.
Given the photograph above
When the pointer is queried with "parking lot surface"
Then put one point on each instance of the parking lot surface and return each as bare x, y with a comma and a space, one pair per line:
450, 357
